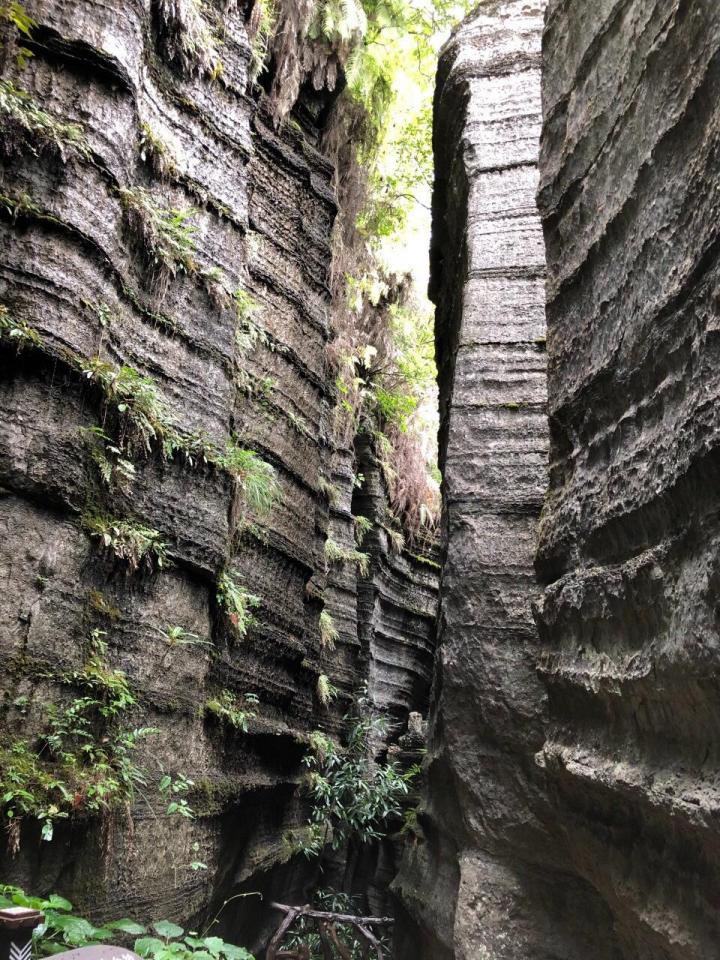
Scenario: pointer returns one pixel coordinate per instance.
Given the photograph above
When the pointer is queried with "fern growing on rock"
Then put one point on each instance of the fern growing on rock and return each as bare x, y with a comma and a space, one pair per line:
186, 38
25, 126
164, 233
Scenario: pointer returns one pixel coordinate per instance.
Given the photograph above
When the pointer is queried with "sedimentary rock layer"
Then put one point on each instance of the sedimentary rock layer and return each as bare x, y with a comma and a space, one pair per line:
77, 269
628, 550
484, 814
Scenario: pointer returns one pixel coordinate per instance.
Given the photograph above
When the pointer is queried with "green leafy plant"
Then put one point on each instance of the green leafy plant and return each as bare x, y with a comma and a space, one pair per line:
186, 39
62, 929
328, 634
179, 637
174, 791
114, 467
129, 541
142, 409
166, 233
237, 602
352, 796
363, 526
326, 691
334, 553
81, 764
15, 14
328, 489
232, 710
256, 477
17, 331
24, 126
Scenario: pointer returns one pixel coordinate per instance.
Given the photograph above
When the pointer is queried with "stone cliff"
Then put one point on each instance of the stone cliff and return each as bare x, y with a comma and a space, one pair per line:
570, 803
628, 540
165, 272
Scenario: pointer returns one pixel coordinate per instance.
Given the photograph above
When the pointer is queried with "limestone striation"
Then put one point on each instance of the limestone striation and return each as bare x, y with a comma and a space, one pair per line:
170, 229
470, 882
628, 546
571, 799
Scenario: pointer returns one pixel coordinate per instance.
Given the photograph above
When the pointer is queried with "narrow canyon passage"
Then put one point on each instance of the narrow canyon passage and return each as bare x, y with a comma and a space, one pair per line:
247, 657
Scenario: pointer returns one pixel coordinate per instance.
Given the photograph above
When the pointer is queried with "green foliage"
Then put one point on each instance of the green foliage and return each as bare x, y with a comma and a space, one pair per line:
174, 791
165, 233
256, 478
363, 526
82, 762
129, 541
14, 13
186, 39
237, 602
260, 30
334, 553
231, 710
178, 637
156, 153
17, 331
352, 796
326, 691
328, 489
25, 126
328, 634
115, 469
62, 930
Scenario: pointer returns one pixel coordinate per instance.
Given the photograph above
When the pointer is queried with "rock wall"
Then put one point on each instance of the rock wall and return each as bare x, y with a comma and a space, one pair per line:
75, 269
483, 815
570, 802
628, 547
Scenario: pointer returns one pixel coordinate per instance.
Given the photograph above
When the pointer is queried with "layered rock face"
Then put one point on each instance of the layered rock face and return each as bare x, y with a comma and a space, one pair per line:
571, 798
232, 339
469, 881
628, 548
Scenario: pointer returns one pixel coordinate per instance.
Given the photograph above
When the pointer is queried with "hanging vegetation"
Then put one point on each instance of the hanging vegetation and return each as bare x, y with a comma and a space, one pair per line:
379, 135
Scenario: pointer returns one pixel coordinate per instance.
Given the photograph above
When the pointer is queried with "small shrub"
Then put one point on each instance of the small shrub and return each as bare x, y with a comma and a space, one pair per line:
82, 763
334, 553
237, 602
328, 634
165, 233
229, 709
17, 331
129, 541
352, 796
326, 691
24, 126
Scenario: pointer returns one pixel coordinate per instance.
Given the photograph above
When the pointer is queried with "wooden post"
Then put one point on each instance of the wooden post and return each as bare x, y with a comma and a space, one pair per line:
16, 928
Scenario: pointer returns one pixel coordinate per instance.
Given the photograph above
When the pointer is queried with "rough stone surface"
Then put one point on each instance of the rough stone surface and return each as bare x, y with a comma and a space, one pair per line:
628, 547
468, 877
571, 799
263, 209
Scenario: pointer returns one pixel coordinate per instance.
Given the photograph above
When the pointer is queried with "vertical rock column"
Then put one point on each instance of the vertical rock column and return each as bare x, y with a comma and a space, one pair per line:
488, 274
